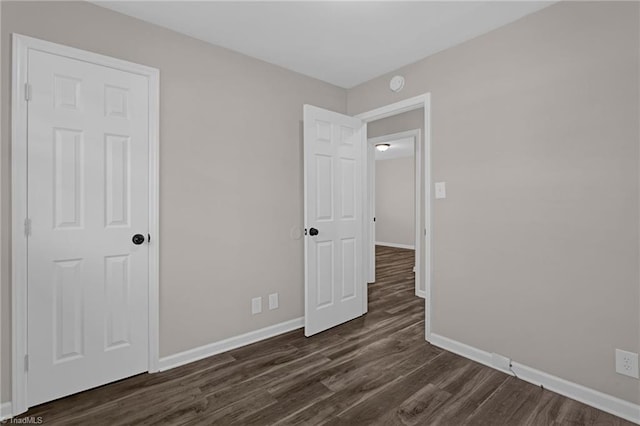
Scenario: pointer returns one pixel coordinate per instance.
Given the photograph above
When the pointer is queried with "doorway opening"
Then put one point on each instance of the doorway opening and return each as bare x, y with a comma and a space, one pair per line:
393, 191
420, 105
339, 236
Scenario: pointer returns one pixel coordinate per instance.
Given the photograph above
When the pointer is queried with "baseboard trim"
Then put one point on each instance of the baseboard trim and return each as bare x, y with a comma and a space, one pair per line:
5, 411
396, 245
234, 342
421, 293
602, 401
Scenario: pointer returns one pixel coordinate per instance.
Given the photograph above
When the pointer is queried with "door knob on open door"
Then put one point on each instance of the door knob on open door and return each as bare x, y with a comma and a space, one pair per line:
313, 232
138, 239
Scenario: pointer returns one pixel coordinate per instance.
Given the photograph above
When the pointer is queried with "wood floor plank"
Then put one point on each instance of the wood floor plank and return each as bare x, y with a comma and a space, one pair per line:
362, 387
417, 408
466, 399
547, 411
514, 400
404, 387
373, 370
301, 396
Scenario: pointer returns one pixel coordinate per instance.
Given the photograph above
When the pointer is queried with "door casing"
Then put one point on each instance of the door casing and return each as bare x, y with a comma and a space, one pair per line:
19, 209
425, 258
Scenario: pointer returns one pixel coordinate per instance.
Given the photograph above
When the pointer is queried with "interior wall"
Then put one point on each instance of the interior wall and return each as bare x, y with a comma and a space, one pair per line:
535, 130
395, 201
411, 120
231, 171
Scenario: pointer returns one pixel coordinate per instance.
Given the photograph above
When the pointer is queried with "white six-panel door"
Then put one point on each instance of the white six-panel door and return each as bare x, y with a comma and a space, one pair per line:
88, 159
333, 162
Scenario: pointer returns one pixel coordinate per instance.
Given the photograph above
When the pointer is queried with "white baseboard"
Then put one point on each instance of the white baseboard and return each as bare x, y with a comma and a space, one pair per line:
205, 351
421, 293
5, 410
396, 245
602, 401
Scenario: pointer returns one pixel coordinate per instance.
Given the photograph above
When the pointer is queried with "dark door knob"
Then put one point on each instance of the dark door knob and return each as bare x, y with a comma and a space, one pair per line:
313, 232
138, 239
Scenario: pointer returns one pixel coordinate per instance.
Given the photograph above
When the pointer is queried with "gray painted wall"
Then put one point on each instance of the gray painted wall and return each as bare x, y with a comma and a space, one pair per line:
231, 180
395, 201
535, 132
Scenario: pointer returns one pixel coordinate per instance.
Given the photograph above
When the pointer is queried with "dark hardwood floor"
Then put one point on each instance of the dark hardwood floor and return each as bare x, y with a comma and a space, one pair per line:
376, 369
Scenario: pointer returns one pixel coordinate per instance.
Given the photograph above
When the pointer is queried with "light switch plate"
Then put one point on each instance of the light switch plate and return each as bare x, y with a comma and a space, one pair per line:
441, 190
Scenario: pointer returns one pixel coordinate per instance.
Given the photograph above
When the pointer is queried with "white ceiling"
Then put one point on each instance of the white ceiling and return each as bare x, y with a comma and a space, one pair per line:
399, 149
341, 42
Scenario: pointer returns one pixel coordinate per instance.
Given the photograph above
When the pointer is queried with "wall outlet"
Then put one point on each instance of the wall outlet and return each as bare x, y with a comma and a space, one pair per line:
256, 305
501, 362
441, 190
273, 301
627, 363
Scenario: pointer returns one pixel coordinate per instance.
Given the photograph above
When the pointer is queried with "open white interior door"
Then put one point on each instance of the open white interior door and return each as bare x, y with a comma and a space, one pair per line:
334, 148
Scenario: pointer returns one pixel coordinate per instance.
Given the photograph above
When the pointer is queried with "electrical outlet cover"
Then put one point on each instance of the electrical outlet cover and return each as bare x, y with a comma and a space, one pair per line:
441, 190
256, 305
273, 301
627, 363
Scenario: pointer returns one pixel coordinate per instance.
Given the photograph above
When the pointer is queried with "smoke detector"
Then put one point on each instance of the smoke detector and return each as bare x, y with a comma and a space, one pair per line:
397, 83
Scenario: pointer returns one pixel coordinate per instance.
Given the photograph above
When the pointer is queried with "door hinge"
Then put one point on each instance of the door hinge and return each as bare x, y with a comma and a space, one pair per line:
27, 227
26, 363
27, 92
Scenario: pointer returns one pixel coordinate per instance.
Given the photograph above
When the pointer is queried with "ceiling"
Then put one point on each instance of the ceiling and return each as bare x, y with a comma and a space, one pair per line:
341, 42
399, 149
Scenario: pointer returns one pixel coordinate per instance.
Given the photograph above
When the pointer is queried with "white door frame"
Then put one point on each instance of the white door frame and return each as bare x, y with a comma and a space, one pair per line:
21, 46
417, 102
415, 134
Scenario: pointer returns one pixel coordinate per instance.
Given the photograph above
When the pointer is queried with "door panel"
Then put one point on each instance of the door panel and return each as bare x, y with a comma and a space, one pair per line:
117, 293
117, 179
68, 178
68, 318
333, 154
88, 194
349, 265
